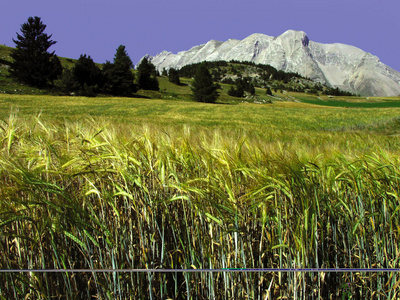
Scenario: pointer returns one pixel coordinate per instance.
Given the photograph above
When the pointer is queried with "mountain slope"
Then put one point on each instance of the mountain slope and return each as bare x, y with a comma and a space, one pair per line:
336, 65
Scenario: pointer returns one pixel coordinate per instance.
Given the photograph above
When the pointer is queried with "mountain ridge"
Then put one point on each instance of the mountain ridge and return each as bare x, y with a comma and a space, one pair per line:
337, 65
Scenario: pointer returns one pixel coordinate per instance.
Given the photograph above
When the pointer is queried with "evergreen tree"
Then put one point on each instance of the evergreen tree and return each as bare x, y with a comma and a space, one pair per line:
85, 78
120, 79
173, 76
68, 84
32, 63
203, 88
147, 76
246, 85
122, 58
242, 85
238, 92
87, 73
251, 89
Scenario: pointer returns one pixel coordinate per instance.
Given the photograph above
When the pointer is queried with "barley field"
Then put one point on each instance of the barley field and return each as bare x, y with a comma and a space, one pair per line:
114, 183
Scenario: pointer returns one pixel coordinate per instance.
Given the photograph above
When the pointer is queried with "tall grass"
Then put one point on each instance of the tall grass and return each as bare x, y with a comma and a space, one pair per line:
79, 194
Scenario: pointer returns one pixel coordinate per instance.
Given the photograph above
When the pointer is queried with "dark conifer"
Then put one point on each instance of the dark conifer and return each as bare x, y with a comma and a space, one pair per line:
203, 88
86, 72
85, 78
32, 63
238, 92
119, 76
147, 76
173, 76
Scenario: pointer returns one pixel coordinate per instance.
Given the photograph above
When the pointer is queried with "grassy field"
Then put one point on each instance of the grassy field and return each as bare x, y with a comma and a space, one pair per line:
362, 103
283, 116
169, 183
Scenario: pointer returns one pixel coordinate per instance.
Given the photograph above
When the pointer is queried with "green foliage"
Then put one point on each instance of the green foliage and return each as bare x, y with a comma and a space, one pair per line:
84, 79
32, 63
217, 74
338, 92
119, 76
203, 88
246, 84
190, 70
68, 83
85, 71
263, 75
173, 76
242, 85
87, 79
147, 76
236, 92
122, 59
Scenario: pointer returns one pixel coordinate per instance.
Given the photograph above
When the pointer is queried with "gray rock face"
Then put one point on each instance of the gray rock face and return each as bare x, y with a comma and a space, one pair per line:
336, 65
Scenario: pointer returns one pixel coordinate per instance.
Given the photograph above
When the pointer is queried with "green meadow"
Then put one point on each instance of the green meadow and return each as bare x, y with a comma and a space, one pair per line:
140, 183
281, 115
364, 103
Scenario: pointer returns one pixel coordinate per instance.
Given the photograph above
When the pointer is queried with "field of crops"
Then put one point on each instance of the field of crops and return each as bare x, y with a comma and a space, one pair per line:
111, 183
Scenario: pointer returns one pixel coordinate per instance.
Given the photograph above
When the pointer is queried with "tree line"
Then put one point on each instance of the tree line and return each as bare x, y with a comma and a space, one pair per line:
34, 65
266, 74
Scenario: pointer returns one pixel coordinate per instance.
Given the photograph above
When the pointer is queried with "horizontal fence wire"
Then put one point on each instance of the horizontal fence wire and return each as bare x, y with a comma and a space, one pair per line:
227, 270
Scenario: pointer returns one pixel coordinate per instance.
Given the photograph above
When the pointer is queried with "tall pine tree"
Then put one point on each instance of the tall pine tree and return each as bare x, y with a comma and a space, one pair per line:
32, 63
84, 79
173, 76
203, 88
147, 79
120, 79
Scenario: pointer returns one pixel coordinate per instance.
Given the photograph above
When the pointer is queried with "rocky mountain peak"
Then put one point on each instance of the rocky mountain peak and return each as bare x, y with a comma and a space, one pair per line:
336, 65
295, 36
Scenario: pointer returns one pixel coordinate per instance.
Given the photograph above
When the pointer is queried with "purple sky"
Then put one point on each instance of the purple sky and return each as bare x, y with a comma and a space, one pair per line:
98, 27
